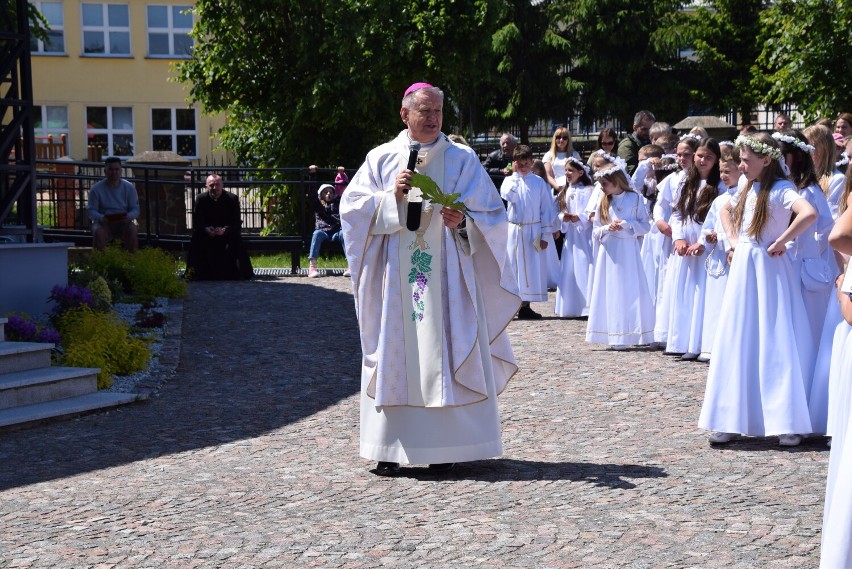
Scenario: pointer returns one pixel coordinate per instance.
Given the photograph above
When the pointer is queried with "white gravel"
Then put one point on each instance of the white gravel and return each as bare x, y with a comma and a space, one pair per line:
127, 312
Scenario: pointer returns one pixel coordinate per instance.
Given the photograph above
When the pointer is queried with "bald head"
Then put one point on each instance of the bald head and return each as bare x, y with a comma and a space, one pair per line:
214, 185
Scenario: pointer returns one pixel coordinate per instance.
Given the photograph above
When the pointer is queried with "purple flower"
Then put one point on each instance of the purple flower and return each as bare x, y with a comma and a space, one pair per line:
20, 329
48, 335
71, 296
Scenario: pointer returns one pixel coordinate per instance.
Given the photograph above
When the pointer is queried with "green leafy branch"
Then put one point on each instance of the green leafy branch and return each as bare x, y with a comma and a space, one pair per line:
433, 193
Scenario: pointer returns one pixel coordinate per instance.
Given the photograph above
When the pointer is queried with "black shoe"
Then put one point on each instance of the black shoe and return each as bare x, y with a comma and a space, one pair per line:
689, 356
442, 467
668, 353
386, 469
527, 313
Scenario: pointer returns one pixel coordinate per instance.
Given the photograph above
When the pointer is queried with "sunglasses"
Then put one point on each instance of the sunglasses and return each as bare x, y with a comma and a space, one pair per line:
561, 138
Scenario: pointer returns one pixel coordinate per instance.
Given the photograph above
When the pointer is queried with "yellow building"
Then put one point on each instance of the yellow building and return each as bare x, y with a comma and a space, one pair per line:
105, 80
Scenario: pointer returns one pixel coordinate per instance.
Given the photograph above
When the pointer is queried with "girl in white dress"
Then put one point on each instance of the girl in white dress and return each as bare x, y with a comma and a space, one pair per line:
620, 308
809, 253
571, 293
759, 386
837, 517
713, 237
663, 247
823, 402
685, 271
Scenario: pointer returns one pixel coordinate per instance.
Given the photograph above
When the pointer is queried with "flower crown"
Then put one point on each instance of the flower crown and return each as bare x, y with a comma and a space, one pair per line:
843, 162
695, 137
609, 157
727, 143
803, 146
758, 147
578, 164
617, 162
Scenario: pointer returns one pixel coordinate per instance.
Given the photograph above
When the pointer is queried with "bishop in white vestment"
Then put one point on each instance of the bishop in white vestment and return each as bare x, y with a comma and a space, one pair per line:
433, 303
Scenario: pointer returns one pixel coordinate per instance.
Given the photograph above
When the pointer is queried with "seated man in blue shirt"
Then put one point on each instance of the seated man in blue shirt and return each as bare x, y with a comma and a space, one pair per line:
113, 208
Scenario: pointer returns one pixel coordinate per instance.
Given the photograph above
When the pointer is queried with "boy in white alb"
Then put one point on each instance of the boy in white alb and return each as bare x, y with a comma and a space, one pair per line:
529, 208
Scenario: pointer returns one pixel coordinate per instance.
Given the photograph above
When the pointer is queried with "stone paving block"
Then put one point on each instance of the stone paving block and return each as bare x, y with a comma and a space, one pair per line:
246, 455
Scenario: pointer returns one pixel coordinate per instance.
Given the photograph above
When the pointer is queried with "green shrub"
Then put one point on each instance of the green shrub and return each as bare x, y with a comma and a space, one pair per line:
101, 293
101, 339
153, 273
144, 275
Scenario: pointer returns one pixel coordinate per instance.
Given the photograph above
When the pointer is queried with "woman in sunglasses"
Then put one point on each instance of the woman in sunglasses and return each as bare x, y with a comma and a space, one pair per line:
554, 159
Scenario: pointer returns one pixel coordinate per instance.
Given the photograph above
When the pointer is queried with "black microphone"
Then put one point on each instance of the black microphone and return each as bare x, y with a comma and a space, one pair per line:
412, 220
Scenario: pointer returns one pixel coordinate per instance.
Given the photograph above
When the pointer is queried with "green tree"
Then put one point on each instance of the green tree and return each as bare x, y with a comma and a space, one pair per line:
613, 65
807, 56
723, 35
320, 82
528, 58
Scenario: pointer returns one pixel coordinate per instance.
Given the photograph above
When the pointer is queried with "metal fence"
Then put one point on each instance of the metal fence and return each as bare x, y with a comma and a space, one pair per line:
275, 201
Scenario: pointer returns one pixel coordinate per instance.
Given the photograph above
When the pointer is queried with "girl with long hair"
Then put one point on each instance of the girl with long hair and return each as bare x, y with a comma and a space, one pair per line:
824, 157
810, 253
662, 239
686, 272
762, 354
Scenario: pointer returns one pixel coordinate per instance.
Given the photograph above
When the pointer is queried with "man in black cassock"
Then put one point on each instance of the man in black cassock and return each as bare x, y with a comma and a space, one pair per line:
216, 251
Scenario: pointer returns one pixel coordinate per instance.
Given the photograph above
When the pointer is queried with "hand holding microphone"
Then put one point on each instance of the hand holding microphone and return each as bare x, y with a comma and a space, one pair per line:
403, 179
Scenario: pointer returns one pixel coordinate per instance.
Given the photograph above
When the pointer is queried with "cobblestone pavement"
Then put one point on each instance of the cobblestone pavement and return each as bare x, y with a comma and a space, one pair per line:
248, 457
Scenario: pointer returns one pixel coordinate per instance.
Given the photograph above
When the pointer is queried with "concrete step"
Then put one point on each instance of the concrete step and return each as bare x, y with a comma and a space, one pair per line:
64, 408
32, 386
19, 356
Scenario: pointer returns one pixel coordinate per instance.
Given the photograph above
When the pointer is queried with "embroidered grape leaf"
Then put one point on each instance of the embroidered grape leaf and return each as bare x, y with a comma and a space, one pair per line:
421, 261
432, 192
412, 275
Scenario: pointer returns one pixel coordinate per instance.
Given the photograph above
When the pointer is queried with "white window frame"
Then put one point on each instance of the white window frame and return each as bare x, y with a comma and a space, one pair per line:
174, 132
41, 48
45, 131
170, 31
111, 131
105, 30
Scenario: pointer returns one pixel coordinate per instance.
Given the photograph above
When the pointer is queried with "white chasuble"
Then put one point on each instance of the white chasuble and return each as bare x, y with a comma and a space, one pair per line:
432, 307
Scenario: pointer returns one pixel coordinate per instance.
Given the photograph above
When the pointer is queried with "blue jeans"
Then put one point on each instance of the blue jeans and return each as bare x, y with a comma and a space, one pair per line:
320, 237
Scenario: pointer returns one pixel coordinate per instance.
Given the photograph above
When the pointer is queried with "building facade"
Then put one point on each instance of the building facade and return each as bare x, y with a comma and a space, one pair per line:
104, 79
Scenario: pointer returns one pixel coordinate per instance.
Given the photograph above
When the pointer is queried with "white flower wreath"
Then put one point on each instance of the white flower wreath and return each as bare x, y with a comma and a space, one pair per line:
695, 137
803, 146
758, 147
617, 162
578, 164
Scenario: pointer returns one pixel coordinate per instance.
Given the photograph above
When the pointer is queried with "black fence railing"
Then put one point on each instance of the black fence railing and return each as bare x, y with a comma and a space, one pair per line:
274, 202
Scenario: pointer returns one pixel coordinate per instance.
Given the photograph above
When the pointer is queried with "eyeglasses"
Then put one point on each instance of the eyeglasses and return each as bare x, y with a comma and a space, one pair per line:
607, 142
561, 138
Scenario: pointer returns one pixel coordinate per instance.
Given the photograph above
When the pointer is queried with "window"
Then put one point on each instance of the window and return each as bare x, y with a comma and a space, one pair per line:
106, 29
174, 130
168, 31
111, 129
51, 122
52, 12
